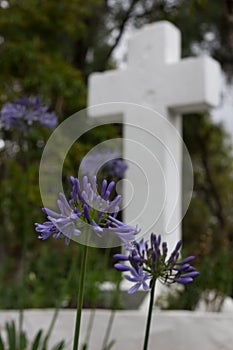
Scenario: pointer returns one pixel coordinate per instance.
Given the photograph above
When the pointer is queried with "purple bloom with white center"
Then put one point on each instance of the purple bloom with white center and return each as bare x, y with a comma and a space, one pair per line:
86, 208
23, 113
148, 261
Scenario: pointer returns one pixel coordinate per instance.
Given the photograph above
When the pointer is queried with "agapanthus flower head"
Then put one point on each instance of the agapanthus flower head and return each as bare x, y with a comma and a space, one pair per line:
23, 113
106, 159
149, 261
117, 168
86, 209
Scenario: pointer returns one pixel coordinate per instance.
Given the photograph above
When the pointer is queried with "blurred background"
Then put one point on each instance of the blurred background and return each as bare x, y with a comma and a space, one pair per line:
48, 48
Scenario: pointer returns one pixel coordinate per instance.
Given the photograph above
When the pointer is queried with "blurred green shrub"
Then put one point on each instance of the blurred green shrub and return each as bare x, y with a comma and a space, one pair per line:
18, 340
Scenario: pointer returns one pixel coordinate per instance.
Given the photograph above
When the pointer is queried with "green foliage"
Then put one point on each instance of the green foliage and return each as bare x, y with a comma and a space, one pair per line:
208, 224
16, 340
216, 273
211, 151
37, 56
180, 299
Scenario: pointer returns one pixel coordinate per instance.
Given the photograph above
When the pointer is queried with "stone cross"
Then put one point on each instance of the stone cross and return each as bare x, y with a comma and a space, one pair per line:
156, 79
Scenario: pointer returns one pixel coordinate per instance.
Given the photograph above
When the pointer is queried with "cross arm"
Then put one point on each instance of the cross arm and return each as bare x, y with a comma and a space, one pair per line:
194, 84
110, 86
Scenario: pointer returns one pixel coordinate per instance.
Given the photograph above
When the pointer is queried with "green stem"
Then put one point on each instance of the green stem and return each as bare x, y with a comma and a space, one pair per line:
26, 218
146, 339
59, 302
80, 297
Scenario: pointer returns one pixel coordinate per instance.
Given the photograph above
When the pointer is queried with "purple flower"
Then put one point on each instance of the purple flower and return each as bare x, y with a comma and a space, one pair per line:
87, 194
46, 229
147, 261
24, 112
137, 275
67, 221
106, 159
86, 207
117, 168
125, 232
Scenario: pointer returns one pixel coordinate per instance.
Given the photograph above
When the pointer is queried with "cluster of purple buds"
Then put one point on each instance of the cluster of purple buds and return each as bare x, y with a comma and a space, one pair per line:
149, 261
86, 208
23, 113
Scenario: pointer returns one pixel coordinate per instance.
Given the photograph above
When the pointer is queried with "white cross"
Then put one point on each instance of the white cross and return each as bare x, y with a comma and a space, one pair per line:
157, 78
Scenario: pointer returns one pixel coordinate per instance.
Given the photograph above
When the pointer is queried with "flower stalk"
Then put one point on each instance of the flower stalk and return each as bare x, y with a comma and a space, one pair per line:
80, 297
148, 261
149, 316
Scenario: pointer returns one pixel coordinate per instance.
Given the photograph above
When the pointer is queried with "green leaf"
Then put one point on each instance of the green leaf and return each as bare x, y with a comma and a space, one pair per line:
37, 339
110, 345
23, 341
59, 346
1, 344
11, 335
